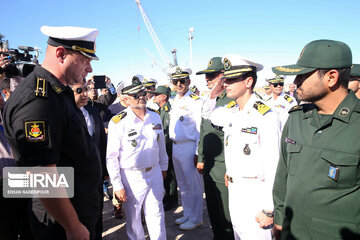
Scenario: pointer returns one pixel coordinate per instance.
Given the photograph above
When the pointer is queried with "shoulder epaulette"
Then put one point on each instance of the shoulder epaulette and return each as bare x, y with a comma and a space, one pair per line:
288, 98
119, 116
261, 107
153, 110
194, 96
40, 87
166, 108
231, 104
303, 107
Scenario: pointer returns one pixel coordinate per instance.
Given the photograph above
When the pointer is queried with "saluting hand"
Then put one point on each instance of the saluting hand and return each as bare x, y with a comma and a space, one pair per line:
121, 195
217, 89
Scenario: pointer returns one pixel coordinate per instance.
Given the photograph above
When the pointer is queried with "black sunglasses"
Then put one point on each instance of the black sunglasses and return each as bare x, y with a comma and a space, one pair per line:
211, 76
138, 95
80, 90
182, 81
276, 84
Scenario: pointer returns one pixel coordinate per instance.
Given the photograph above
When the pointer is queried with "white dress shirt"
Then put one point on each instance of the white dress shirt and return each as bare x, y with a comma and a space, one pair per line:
89, 121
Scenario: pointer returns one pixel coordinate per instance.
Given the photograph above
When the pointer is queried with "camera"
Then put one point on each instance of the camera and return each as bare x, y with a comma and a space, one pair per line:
22, 62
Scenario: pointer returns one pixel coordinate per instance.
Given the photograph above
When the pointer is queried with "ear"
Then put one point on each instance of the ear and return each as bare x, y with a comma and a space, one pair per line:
332, 78
60, 53
248, 82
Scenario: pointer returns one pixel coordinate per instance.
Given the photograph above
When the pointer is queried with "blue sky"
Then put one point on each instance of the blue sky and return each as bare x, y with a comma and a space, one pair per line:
269, 32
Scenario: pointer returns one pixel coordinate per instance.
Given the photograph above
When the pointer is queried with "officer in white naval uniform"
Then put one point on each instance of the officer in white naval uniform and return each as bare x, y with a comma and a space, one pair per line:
184, 131
150, 86
251, 139
280, 102
137, 162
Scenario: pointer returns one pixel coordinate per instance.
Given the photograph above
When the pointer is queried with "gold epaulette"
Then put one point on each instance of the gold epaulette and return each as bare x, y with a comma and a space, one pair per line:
288, 98
261, 107
231, 104
118, 117
40, 87
194, 96
153, 110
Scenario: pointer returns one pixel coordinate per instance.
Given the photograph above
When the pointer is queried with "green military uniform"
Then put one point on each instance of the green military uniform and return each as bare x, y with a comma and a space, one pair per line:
316, 190
211, 153
171, 196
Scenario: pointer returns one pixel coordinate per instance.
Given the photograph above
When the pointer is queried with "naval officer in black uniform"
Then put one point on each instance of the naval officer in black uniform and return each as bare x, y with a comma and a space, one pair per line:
45, 101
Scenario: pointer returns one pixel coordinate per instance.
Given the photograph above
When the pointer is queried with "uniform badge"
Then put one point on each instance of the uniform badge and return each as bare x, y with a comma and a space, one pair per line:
210, 63
333, 173
227, 140
178, 70
344, 111
132, 132
251, 130
291, 141
40, 87
247, 150
133, 143
35, 131
227, 64
181, 118
157, 126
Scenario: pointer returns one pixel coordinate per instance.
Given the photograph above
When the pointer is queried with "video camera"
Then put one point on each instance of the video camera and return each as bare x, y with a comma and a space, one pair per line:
22, 63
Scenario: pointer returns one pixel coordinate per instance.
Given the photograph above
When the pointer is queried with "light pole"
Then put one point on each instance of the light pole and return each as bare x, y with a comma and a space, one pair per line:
191, 31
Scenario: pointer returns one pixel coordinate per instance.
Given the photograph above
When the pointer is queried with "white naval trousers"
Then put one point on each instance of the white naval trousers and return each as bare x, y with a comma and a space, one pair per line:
144, 189
245, 202
188, 180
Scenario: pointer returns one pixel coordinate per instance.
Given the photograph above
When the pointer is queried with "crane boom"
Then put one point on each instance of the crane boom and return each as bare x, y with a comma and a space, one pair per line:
153, 35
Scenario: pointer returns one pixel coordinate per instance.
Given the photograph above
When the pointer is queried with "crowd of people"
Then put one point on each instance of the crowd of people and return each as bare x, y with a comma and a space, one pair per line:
281, 165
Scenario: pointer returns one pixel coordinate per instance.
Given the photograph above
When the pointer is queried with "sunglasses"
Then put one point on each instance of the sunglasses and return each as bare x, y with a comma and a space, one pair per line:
182, 81
138, 95
276, 84
81, 90
211, 76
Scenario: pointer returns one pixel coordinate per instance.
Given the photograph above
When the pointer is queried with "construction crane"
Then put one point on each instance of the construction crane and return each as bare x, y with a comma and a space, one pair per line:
154, 37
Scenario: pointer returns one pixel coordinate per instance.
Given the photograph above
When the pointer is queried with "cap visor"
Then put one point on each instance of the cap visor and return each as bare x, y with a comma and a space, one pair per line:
90, 55
207, 71
292, 70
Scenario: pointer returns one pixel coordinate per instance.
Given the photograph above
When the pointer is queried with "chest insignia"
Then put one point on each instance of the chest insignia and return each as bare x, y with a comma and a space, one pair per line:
35, 131
251, 130
247, 150
132, 132
333, 173
133, 143
157, 126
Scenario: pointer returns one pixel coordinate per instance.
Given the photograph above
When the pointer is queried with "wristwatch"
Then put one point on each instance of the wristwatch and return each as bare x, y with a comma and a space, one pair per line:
268, 214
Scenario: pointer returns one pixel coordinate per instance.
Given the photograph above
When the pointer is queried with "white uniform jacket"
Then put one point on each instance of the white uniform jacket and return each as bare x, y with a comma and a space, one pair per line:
185, 118
251, 139
134, 144
281, 106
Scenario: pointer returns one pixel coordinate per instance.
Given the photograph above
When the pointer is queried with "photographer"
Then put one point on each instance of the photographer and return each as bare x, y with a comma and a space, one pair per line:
103, 101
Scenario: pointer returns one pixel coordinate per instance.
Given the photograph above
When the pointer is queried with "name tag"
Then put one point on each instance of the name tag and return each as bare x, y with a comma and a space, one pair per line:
291, 141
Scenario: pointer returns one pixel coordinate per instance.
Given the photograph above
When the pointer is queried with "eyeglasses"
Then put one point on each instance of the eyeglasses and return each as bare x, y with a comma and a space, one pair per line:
81, 90
276, 84
182, 81
138, 95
